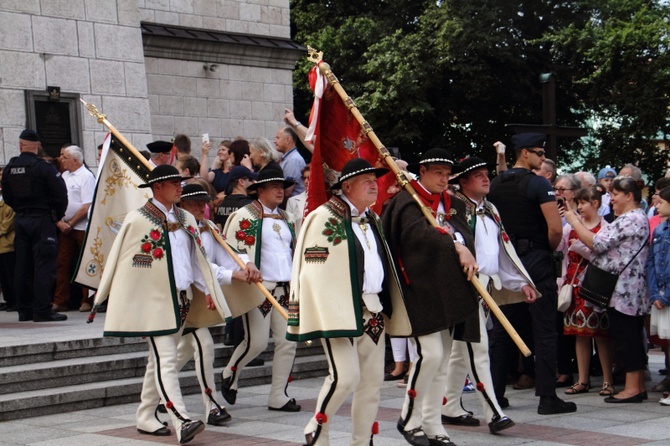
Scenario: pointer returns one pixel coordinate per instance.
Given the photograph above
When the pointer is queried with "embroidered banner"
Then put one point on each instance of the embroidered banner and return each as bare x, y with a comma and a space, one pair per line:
116, 194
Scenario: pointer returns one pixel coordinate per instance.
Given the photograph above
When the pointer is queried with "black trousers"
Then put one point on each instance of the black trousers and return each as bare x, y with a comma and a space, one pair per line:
541, 317
36, 248
7, 271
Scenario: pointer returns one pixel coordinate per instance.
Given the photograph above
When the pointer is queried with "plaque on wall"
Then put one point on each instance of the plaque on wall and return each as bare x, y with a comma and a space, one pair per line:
57, 122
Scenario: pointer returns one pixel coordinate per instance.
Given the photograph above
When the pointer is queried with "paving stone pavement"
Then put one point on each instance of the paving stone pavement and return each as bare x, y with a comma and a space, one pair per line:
595, 422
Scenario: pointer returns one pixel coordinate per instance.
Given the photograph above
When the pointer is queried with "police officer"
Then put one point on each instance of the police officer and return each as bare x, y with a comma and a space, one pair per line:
37, 193
528, 210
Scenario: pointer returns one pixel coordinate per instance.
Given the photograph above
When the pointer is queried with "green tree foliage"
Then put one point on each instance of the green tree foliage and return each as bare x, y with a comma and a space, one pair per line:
453, 73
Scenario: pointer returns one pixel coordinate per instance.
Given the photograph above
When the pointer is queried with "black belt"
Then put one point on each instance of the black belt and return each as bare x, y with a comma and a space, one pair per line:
33, 212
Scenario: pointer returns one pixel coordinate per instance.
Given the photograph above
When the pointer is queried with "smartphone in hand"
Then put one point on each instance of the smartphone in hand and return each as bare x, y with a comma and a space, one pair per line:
205, 137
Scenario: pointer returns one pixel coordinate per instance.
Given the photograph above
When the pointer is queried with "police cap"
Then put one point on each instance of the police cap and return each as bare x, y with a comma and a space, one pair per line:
29, 135
528, 140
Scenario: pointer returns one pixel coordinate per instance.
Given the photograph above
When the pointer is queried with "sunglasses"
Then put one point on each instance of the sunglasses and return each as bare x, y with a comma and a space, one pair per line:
539, 153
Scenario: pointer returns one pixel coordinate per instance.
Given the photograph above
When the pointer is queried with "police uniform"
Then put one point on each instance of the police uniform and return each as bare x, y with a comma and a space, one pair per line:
37, 193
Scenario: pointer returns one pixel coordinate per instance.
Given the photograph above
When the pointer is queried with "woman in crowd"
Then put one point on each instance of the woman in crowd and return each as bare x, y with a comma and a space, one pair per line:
217, 176
623, 241
582, 319
239, 154
263, 154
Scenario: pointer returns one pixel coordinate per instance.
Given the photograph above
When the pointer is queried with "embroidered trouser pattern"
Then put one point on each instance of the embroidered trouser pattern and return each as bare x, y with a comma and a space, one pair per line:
425, 388
199, 345
256, 338
354, 365
472, 358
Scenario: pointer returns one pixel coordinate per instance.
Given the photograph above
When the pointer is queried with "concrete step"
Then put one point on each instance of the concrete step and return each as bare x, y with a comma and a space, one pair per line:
37, 402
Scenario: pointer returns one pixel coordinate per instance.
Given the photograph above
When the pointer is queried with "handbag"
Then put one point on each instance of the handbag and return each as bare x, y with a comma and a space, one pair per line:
598, 285
565, 295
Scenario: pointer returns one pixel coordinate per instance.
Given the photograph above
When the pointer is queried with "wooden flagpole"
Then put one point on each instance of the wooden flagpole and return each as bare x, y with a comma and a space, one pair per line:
316, 57
102, 119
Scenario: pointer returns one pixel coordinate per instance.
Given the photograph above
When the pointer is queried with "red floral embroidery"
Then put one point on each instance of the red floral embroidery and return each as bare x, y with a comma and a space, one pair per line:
321, 418
146, 247
505, 237
411, 393
233, 368
240, 235
250, 240
290, 378
373, 322
169, 405
496, 218
245, 224
155, 235
327, 232
375, 428
208, 391
158, 253
191, 229
481, 387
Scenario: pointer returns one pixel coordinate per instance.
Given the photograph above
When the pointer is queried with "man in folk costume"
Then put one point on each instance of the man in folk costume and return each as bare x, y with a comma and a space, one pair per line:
342, 238
500, 266
197, 343
266, 234
159, 246
436, 265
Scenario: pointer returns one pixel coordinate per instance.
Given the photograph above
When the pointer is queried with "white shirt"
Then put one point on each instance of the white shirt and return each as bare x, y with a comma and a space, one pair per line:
276, 252
489, 257
186, 272
373, 268
222, 262
80, 186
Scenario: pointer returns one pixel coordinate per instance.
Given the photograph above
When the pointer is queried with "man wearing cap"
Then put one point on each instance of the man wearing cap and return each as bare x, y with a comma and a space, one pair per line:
196, 342
37, 193
160, 153
158, 248
342, 238
528, 210
499, 266
236, 193
605, 177
265, 233
436, 264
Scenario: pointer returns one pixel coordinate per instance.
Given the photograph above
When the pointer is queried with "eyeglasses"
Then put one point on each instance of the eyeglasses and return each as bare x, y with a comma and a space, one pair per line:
561, 189
305, 178
539, 153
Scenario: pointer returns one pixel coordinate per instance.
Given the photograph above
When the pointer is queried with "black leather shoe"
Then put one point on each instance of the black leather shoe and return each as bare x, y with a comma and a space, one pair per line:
500, 424
463, 420
230, 395
440, 440
23, 317
633, 399
550, 405
392, 377
503, 402
228, 339
161, 408
218, 417
162, 432
53, 317
290, 406
416, 437
190, 429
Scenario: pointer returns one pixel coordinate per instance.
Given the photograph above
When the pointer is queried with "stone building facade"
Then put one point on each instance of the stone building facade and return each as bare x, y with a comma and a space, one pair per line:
153, 67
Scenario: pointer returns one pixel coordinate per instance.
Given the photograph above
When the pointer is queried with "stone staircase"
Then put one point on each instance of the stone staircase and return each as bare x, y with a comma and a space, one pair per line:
55, 377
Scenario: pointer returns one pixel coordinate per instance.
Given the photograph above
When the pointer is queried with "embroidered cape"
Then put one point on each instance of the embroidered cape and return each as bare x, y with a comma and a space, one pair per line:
327, 278
139, 281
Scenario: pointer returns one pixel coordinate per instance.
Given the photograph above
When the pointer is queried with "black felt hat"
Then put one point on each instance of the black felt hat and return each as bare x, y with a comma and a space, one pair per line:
468, 165
270, 175
355, 167
434, 156
195, 192
159, 147
164, 172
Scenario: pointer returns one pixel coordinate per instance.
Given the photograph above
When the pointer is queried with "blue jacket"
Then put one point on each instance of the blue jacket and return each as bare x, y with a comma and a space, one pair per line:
658, 265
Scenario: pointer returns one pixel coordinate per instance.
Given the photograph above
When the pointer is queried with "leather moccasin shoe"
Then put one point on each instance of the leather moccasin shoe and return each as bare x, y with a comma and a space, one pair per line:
290, 406
189, 430
503, 402
230, 395
524, 382
440, 440
218, 417
500, 424
416, 437
550, 405
463, 420
162, 432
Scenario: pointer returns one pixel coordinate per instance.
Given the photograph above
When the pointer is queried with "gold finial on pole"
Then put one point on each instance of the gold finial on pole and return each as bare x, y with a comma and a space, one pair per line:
93, 110
313, 55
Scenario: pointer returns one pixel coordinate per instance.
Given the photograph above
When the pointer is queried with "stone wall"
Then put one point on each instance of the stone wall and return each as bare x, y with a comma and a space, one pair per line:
91, 47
